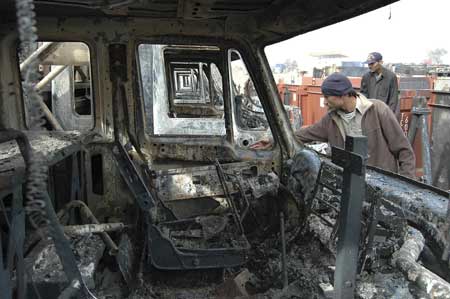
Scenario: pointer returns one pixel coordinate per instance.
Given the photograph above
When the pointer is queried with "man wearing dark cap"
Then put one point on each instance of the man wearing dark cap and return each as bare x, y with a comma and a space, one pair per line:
380, 83
352, 113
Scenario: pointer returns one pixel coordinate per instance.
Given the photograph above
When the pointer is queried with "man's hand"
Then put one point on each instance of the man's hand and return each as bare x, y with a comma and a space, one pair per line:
261, 144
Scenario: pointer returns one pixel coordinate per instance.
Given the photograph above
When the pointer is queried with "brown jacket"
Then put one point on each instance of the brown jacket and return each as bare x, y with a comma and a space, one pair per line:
388, 147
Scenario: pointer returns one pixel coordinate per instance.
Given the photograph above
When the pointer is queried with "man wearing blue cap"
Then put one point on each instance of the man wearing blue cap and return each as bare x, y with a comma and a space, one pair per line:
380, 83
352, 113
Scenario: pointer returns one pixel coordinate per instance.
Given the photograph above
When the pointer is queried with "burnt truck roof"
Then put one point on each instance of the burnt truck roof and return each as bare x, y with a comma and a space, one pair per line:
260, 21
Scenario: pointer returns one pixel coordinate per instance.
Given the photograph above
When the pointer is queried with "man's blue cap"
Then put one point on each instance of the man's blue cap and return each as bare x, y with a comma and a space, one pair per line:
336, 85
374, 57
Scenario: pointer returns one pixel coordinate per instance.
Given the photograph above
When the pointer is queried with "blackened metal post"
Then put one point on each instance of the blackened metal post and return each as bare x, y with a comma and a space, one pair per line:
287, 96
353, 160
426, 154
283, 251
419, 119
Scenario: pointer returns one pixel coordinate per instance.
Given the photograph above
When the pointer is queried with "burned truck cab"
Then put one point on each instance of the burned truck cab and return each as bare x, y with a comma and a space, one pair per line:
135, 122
146, 124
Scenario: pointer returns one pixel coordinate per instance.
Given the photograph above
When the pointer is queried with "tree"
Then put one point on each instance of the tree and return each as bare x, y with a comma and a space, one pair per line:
436, 55
290, 65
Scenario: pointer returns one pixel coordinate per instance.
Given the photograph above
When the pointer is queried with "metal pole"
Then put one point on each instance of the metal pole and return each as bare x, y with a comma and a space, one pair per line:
48, 114
86, 229
35, 54
426, 155
56, 70
287, 96
283, 251
86, 212
353, 161
412, 128
50, 117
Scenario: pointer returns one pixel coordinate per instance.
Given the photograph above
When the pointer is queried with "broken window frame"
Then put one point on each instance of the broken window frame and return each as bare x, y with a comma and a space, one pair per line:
239, 137
244, 138
202, 101
178, 126
80, 122
194, 90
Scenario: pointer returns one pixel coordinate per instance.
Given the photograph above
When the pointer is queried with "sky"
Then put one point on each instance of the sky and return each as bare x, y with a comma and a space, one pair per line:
415, 27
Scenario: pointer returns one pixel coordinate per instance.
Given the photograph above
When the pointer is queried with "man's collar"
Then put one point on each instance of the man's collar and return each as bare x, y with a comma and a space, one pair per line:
362, 103
381, 73
359, 106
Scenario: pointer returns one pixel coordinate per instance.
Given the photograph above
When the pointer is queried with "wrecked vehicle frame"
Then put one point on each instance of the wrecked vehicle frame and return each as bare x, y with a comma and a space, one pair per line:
119, 165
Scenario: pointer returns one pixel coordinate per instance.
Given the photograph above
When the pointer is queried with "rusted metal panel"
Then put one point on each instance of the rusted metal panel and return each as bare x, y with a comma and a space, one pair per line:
440, 149
415, 83
313, 106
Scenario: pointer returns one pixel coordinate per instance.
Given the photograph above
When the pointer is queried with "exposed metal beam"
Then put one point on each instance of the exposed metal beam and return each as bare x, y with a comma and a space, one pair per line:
36, 54
56, 70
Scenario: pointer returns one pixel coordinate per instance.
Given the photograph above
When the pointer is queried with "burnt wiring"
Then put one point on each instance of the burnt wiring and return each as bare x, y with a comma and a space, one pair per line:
36, 182
38, 205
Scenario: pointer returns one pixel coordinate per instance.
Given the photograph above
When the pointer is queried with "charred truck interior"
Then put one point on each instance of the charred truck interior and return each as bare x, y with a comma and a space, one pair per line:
126, 166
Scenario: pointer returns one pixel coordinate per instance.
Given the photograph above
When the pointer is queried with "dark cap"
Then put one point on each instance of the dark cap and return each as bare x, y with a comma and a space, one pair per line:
374, 57
336, 85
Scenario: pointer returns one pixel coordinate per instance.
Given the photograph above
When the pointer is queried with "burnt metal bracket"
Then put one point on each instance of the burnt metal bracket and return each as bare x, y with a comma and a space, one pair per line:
353, 160
419, 120
131, 176
236, 216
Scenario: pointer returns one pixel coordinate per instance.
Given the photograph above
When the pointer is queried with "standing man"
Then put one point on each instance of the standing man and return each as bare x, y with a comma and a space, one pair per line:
380, 83
352, 113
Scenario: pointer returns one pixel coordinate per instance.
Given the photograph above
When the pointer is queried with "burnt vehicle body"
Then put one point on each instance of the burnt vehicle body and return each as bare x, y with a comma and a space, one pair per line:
149, 110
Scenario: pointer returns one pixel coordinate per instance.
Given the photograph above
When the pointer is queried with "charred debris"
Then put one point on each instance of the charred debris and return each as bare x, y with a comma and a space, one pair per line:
126, 167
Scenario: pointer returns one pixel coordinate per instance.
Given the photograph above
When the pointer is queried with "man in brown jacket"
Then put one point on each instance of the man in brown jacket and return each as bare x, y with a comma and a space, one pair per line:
352, 113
